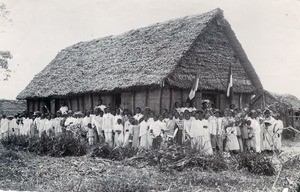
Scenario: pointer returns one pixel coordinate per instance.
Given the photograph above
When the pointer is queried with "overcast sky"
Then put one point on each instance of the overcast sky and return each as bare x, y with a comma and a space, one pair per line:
269, 31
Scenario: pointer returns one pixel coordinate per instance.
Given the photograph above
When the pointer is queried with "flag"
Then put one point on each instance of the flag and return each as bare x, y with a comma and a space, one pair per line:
194, 87
230, 82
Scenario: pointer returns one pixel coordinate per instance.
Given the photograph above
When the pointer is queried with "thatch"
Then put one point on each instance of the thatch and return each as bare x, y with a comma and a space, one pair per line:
11, 107
266, 100
168, 53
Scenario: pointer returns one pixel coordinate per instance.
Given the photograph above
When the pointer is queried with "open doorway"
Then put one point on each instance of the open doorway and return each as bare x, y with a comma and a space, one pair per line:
117, 100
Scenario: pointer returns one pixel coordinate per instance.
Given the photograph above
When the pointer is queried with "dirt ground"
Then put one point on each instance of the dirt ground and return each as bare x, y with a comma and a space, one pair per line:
26, 171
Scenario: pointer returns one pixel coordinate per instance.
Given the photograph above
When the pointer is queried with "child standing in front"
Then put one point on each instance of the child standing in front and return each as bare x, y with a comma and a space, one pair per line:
90, 134
119, 137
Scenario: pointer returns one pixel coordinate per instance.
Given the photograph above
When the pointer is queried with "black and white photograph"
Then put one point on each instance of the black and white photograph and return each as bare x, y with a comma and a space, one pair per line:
149, 95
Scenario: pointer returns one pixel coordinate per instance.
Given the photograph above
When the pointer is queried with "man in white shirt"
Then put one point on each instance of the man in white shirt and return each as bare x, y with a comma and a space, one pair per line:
4, 126
64, 108
269, 143
97, 122
100, 105
278, 128
144, 133
138, 114
108, 125
156, 131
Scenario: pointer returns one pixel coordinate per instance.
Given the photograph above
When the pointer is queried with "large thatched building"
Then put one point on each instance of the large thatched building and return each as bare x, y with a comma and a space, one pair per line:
153, 66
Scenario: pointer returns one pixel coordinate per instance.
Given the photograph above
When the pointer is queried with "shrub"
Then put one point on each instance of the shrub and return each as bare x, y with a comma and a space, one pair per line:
114, 153
64, 145
256, 163
15, 142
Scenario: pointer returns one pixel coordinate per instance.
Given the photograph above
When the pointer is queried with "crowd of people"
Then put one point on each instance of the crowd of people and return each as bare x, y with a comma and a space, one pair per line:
207, 129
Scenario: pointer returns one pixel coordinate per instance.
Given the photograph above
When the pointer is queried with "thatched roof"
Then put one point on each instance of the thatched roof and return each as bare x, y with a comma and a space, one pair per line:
267, 100
11, 107
164, 53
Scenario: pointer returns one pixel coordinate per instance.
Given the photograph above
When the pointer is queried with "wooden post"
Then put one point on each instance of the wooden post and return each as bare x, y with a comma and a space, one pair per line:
27, 105
39, 106
70, 104
241, 101
92, 102
133, 102
82, 103
52, 106
160, 99
181, 91
171, 98
146, 97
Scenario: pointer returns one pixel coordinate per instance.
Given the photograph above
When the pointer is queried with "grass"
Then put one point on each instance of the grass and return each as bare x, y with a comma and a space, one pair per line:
27, 171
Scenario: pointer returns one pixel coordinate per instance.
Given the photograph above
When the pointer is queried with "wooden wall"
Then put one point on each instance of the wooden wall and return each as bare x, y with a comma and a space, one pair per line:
156, 99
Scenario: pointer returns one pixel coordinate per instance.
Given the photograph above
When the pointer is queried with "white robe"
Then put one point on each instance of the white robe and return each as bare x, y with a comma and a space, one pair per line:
157, 127
232, 141
41, 126
69, 121
48, 126
257, 134
119, 137
269, 142
128, 129
278, 128
57, 125
107, 126
206, 142
213, 125
85, 121
138, 116
27, 126
144, 134
15, 128
64, 110
97, 121
4, 127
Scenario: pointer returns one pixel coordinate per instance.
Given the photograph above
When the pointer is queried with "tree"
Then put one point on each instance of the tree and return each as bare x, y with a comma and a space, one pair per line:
4, 55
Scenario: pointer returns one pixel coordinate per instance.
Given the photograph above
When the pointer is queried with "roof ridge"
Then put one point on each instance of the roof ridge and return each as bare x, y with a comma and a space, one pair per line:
217, 12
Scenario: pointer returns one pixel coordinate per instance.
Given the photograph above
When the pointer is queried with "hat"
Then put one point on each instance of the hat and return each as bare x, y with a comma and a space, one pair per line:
78, 113
36, 113
267, 111
277, 115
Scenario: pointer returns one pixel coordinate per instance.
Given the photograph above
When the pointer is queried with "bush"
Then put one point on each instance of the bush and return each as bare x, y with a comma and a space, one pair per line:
256, 163
14, 142
179, 158
64, 145
118, 153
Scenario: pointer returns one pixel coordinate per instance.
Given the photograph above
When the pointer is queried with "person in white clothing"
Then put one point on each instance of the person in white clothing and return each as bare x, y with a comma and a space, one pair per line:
97, 122
108, 125
64, 108
48, 126
269, 143
256, 131
100, 105
128, 130
207, 148
41, 125
232, 142
156, 131
138, 114
119, 136
27, 123
278, 128
196, 132
4, 126
144, 133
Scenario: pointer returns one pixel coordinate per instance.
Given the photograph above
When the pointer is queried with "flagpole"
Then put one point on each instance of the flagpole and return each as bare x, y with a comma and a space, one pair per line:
229, 92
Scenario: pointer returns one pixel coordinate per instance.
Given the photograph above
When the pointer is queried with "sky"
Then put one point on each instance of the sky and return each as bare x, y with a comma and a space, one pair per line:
269, 31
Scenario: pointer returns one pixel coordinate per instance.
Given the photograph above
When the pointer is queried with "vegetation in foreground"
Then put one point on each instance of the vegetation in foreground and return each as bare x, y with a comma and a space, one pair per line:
172, 169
